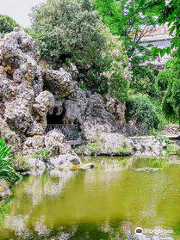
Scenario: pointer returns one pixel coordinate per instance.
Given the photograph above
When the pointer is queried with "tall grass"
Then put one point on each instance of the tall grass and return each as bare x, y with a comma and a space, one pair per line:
6, 170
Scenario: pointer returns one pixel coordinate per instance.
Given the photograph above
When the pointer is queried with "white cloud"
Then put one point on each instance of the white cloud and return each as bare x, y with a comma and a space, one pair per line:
18, 9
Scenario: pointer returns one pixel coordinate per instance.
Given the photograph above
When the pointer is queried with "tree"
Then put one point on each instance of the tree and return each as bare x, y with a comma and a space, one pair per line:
126, 21
167, 12
7, 24
168, 88
70, 31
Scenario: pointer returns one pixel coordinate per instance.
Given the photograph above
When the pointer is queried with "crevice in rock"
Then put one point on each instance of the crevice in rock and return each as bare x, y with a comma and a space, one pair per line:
54, 118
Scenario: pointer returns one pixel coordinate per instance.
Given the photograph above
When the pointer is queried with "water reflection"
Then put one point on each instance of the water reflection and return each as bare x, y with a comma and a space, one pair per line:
105, 203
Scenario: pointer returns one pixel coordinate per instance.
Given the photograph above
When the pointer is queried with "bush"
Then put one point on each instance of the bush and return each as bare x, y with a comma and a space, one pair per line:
144, 81
6, 170
168, 89
7, 24
71, 32
163, 80
171, 101
141, 110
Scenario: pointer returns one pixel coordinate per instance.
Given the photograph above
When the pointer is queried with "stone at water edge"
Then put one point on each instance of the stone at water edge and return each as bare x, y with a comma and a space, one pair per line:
87, 166
4, 189
35, 163
64, 161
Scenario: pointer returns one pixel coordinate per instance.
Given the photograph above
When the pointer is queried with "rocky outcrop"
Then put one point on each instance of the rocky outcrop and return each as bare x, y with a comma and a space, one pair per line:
149, 146
53, 141
29, 93
33, 97
23, 101
117, 109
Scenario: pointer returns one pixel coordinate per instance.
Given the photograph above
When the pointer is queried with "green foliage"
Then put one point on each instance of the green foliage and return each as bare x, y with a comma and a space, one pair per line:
143, 81
6, 170
7, 24
43, 155
68, 30
71, 32
125, 20
124, 150
165, 12
93, 148
141, 110
171, 100
168, 89
115, 73
172, 149
163, 79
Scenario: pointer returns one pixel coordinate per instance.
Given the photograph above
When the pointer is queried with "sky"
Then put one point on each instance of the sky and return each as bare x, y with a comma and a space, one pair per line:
19, 10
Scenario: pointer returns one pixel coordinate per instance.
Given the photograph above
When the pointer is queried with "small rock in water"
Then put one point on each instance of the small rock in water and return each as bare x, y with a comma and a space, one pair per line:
87, 166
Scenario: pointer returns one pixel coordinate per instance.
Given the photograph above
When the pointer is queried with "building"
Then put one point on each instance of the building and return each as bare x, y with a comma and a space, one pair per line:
158, 36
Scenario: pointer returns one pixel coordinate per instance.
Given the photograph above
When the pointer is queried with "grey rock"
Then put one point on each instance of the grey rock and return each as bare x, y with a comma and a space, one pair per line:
4, 189
66, 160
36, 163
59, 82
87, 166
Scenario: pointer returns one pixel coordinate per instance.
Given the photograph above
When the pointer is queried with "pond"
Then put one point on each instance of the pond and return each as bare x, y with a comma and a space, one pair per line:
103, 203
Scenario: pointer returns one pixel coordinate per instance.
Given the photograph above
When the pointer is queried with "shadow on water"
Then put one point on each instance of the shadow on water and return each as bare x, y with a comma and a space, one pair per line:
104, 203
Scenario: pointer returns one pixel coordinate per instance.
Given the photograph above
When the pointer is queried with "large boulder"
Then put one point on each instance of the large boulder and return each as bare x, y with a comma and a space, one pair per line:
109, 144
58, 82
53, 141
18, 116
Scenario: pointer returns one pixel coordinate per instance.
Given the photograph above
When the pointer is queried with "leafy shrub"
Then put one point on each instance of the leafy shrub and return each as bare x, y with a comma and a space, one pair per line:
144, 81
6, 170
163, 79
171, 100
71, 32
168, 88
7, 24
141, 110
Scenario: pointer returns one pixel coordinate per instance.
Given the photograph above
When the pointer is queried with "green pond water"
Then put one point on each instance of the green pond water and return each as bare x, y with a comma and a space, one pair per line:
102, 203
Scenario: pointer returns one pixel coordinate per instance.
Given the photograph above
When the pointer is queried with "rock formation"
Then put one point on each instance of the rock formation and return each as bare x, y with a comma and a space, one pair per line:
32, 98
